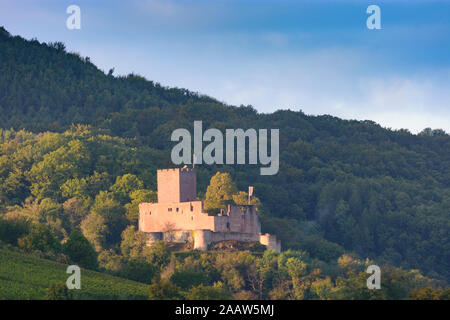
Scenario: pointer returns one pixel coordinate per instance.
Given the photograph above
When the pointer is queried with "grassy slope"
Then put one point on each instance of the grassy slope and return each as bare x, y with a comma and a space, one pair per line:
23, 276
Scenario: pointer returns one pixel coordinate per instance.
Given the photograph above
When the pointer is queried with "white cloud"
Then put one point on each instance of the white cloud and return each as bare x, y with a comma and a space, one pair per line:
407, 102
340, 83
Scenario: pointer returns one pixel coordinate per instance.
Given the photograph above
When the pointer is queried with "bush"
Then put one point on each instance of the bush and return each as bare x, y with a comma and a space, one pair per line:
139, 270
164, 290
80, 251
187, 279
40, 238
13, 229
201, 292
58, 291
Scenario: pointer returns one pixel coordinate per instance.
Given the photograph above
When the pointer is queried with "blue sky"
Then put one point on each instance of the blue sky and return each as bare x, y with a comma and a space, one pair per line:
317, 56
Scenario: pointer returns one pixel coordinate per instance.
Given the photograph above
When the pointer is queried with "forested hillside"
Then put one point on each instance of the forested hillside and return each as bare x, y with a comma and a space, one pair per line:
343, 186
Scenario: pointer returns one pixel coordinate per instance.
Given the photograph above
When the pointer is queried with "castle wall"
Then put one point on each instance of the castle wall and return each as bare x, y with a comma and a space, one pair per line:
237, 220
180, 236
153, 237
202, 238
238, 236
159, 217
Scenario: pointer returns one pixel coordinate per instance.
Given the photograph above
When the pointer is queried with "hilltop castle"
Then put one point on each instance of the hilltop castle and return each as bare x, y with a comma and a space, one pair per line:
179, 217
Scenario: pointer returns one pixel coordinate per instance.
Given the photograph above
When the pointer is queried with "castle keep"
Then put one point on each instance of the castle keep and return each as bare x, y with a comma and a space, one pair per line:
179, 217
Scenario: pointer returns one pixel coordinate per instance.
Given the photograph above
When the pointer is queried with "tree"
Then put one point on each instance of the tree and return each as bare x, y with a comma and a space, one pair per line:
124, 186
439, 132
67, 162
354, 288
187, 279
242, 199
429, 293
219, 192
58, 291
133, 243
428, 132
13, 229
47, 211
202, 292
137, 197
52, 215
139, 270
106, 206
95, 229
258, 274
234, 267
350, 265
296, 269
322, 287
40, 238
111, 261
112, 213
80, 250
432, 132
98, 182
158, 254
74, 188
163, 290
75, 210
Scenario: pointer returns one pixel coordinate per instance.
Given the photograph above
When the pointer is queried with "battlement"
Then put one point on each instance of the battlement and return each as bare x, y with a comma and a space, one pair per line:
184, 169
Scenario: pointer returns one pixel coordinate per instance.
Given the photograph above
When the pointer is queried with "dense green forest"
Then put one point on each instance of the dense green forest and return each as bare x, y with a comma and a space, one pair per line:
80, 147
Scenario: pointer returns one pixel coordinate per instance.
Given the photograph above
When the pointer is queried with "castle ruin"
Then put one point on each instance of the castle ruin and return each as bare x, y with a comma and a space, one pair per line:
179, 217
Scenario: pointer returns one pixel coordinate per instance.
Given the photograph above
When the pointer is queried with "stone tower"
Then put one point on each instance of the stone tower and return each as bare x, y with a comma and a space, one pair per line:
177, 185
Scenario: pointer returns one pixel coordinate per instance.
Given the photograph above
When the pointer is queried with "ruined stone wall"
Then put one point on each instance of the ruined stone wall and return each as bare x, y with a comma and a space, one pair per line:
159, 217
270, 241
239, 219
251, 220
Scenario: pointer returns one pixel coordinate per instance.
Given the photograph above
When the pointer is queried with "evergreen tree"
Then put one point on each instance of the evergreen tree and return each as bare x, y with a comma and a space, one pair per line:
80, 250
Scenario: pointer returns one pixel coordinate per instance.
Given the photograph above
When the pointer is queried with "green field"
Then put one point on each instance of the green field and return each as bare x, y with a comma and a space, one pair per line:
23, 276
